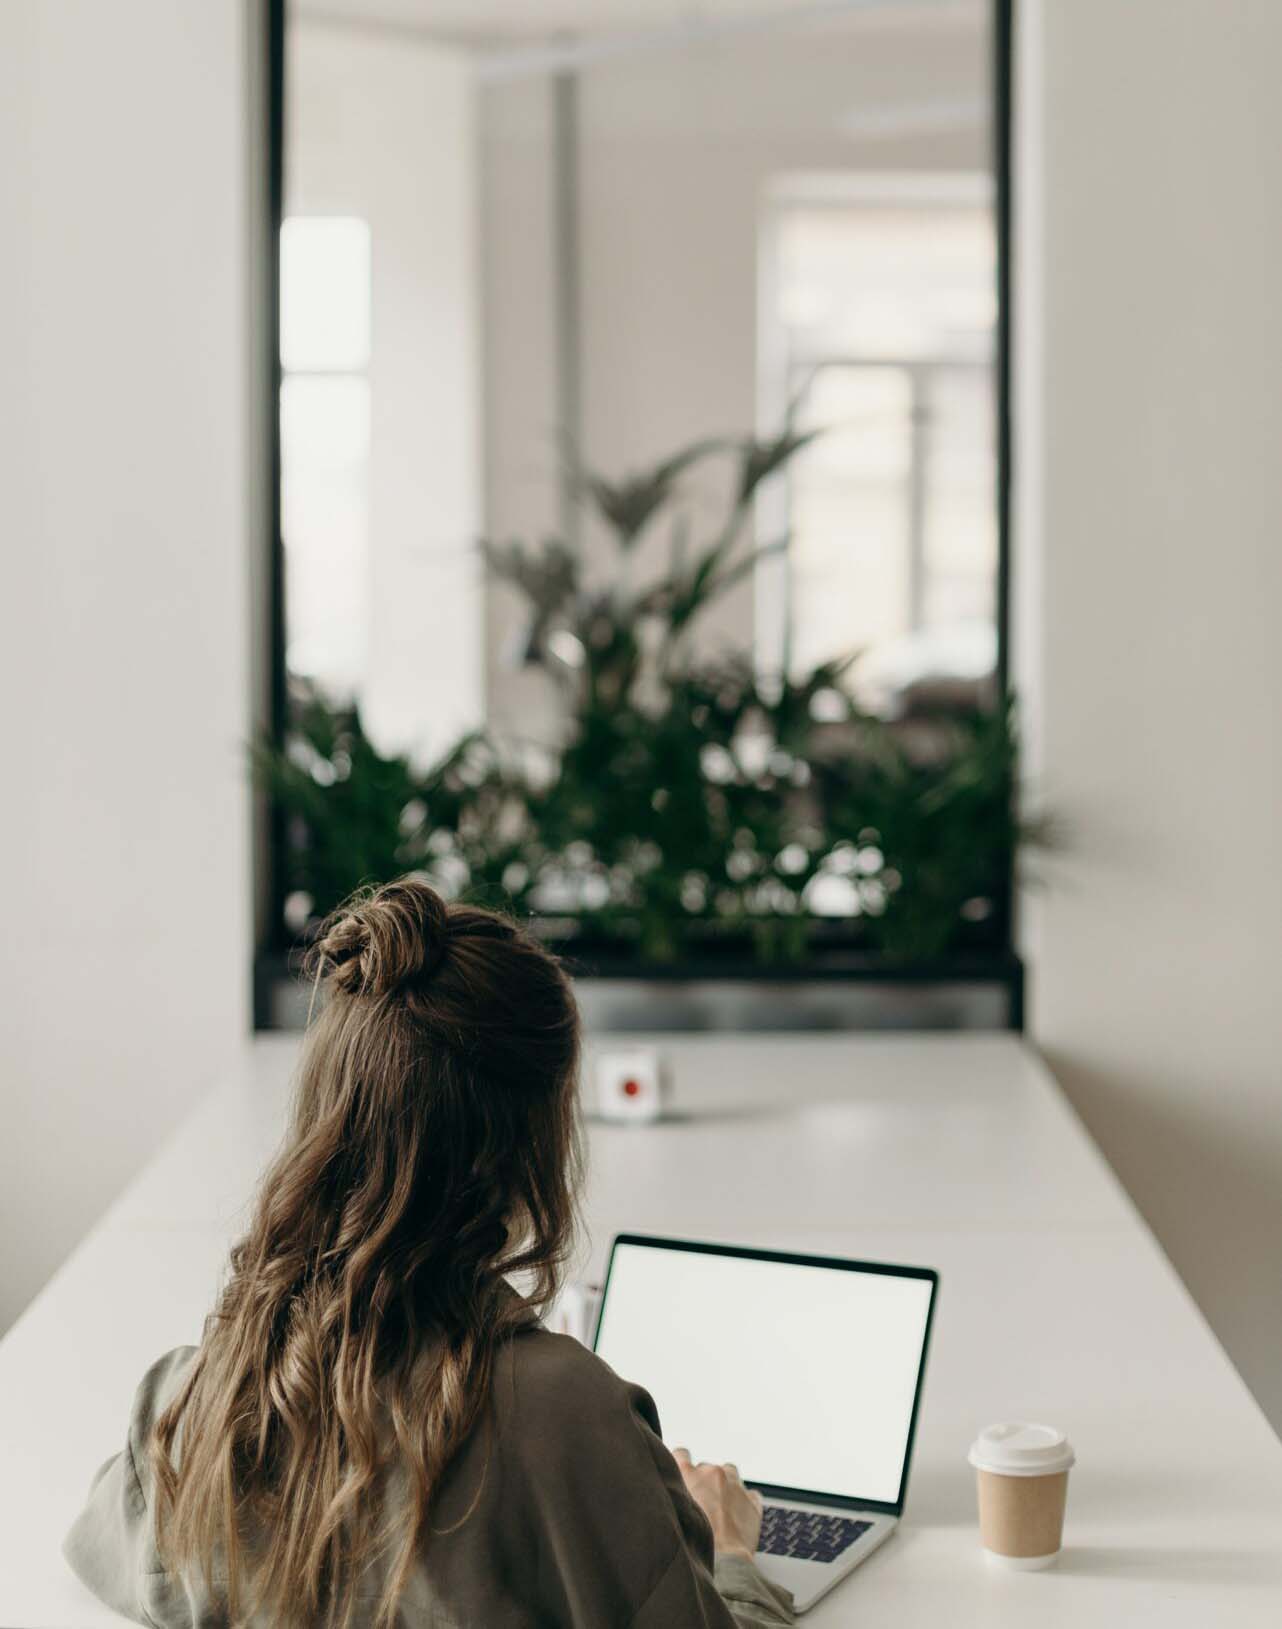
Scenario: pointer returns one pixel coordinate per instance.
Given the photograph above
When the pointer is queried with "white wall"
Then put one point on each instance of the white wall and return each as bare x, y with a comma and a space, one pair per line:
1149, 571
124, 471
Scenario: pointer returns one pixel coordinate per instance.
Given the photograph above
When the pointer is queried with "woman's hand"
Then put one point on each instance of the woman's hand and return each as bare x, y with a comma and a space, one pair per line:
733, 1510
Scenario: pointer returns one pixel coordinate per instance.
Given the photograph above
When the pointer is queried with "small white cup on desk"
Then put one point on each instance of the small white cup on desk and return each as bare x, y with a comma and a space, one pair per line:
1023, 1486
631, 1085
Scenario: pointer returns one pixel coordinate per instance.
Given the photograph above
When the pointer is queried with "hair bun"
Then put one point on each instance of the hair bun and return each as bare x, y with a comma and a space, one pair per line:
395, 936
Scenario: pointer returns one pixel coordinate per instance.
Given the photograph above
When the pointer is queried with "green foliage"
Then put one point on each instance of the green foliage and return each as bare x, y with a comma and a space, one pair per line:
690, 805
350, 810
627, 506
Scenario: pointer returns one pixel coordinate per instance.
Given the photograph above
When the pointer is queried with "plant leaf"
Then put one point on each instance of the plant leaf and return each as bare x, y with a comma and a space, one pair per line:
759, 459
628, 505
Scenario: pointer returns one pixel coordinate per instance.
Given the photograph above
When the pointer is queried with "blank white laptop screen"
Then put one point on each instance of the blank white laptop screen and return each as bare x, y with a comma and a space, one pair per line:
804, 1377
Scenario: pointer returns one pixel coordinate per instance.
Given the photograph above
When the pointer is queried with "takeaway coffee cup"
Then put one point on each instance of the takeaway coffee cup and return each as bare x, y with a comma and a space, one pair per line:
1023, 1484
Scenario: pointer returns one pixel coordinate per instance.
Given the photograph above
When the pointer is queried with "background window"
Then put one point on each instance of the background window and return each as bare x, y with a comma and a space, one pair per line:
325, 446
877, 330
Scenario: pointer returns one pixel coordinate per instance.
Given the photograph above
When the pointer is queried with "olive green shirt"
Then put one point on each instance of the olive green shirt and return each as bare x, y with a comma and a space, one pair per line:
582, 1518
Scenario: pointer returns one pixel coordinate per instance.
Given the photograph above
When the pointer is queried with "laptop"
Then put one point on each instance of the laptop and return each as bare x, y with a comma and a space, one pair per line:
804, 1371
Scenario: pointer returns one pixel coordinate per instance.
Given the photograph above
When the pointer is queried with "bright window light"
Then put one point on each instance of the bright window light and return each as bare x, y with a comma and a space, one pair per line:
883, 282
324, 294
325, 405
325, 435
878, 323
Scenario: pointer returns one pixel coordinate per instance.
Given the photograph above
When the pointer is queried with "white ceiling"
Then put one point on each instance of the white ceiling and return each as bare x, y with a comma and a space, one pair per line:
509, 22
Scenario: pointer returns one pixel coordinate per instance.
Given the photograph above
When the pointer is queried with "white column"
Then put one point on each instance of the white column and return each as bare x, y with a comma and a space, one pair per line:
1149, 564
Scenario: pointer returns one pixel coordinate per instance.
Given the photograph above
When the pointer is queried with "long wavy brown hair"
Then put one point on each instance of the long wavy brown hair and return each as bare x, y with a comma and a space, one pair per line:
433, 1153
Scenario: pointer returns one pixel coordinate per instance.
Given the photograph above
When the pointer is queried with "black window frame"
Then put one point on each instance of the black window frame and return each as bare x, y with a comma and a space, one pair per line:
273, 945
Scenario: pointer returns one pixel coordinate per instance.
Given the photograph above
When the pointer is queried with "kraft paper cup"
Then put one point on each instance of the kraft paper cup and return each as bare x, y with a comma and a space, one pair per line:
1023, 1485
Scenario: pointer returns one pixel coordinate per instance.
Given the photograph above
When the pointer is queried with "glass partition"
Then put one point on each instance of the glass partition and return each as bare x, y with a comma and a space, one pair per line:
638, 424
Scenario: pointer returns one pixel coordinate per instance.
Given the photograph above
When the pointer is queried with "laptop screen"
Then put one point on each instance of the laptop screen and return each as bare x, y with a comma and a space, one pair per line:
801, 1370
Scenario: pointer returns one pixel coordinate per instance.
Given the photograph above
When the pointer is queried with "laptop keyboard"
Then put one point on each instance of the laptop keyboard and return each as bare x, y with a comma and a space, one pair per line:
806, 1534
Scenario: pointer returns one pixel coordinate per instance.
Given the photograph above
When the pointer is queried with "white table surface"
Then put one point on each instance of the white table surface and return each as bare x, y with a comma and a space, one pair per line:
957, 1152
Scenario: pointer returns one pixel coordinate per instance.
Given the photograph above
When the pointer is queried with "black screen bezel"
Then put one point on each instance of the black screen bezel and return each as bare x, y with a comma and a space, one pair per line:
791, 1258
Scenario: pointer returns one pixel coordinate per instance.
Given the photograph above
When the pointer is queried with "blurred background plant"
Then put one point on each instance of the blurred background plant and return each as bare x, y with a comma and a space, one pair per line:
693, 808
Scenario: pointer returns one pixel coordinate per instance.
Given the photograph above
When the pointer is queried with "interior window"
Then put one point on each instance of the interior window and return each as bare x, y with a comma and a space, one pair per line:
878, 330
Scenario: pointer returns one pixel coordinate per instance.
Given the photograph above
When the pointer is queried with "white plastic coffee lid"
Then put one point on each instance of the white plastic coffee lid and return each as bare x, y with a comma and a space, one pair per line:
1019, 1449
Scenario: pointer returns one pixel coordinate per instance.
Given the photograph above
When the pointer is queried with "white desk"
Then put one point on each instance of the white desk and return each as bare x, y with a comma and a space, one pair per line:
955, 1152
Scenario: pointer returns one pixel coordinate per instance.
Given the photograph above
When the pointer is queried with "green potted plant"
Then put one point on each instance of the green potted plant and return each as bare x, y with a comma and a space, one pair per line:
693, 813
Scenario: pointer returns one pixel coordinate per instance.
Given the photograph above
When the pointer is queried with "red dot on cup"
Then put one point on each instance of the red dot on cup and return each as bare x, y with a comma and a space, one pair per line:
631, 1088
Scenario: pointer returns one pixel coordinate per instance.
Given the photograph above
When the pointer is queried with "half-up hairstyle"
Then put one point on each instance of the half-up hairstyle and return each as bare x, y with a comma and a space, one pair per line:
433, 1151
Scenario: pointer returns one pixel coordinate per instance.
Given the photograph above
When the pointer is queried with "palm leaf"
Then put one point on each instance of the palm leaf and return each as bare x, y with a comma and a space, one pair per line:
759, 459
628, 505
